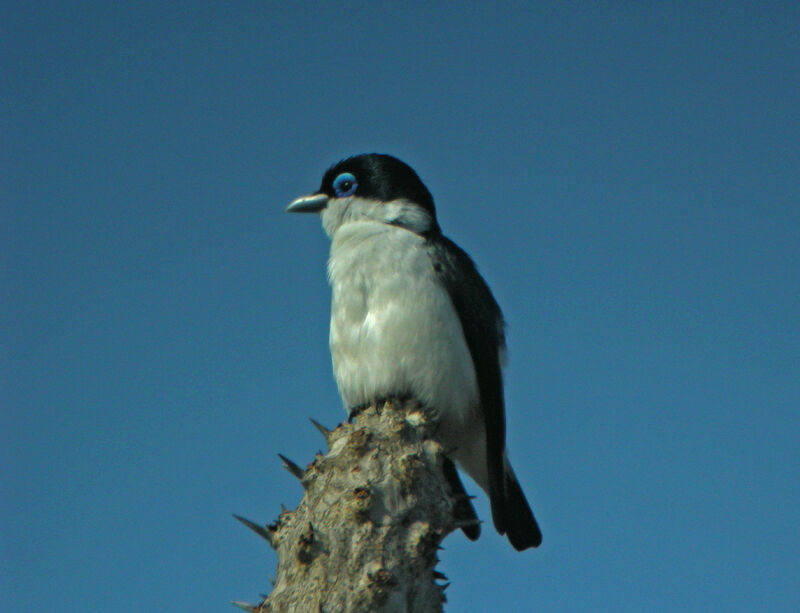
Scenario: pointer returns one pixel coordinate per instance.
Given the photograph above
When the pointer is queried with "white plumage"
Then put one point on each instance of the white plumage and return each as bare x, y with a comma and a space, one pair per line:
394, 329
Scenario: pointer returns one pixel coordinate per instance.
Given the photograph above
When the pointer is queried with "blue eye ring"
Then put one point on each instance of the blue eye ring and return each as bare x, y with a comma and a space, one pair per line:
344, 185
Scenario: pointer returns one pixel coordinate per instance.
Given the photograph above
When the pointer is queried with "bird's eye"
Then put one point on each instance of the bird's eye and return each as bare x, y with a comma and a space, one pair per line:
344, 185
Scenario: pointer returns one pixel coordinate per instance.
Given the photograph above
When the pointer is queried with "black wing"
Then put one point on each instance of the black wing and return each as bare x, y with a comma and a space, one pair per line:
482, 322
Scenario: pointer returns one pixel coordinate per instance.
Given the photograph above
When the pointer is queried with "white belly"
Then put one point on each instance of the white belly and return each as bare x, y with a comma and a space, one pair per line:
394, 329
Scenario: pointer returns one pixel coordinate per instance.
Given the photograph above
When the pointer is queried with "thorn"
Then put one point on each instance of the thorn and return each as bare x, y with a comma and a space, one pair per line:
326, 434
293, 468
439, 548
271, 582
444, 586
243, 605
258, 529
438, 575
467, 523
284, 509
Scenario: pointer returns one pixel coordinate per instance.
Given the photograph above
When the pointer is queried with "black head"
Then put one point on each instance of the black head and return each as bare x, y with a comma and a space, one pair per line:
377, 176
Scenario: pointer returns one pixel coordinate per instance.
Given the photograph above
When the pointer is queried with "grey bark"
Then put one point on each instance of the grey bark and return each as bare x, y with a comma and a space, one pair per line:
366, 533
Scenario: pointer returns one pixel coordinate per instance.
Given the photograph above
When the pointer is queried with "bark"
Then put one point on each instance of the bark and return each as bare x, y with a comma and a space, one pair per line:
366, 533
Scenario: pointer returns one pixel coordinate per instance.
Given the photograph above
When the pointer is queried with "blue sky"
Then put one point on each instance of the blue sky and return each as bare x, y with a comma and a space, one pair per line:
625, 177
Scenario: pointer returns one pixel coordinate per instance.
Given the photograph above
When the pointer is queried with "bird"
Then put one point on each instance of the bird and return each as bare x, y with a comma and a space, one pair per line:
411, 316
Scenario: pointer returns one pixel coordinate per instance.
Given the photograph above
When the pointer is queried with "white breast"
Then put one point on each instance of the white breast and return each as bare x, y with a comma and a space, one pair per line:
394, 329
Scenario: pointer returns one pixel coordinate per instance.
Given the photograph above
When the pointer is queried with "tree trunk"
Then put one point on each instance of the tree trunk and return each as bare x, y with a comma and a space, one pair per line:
366, 533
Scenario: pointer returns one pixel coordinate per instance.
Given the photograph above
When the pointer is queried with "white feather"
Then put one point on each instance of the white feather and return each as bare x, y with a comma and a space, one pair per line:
394, 328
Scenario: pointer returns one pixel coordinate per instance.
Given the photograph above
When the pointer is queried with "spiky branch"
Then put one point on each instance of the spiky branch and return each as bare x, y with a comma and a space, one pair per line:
375, 509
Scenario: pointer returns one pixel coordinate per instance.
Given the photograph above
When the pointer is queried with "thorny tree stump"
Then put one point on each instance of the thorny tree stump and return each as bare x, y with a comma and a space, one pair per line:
366, 533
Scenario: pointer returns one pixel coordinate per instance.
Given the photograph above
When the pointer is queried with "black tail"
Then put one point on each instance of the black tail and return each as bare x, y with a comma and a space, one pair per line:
512, 515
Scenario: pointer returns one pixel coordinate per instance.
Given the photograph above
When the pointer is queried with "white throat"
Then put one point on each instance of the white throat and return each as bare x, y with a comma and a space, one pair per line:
403, 213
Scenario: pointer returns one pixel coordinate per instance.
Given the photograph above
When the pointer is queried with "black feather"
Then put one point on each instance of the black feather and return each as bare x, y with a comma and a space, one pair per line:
482, 323
521, 527
484, 331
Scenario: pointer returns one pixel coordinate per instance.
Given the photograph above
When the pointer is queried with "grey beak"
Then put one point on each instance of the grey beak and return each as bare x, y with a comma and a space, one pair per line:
312, 203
